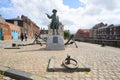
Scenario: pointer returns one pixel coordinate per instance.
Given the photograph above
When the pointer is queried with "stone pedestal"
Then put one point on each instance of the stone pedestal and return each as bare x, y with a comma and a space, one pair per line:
55, 42
55, 65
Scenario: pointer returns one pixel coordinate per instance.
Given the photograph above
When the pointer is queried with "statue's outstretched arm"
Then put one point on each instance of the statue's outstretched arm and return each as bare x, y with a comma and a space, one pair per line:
48, 16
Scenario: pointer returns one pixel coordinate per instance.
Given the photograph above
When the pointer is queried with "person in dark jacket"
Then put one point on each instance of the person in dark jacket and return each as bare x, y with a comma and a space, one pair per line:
21, 36
26, 36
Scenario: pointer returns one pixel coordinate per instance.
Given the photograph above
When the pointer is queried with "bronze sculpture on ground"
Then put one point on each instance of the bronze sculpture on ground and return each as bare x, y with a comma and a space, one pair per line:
54, 22
73, 41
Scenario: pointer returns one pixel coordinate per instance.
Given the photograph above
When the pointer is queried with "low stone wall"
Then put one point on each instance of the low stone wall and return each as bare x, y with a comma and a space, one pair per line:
115, 43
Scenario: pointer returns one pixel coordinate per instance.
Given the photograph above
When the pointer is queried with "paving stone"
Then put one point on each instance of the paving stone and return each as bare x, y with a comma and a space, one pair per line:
75, 78
60, 78
88, 78
6, 78
34, 59
68, 78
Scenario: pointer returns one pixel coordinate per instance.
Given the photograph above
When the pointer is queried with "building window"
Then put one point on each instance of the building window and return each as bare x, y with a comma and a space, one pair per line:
115, 29
114, 32
15, 22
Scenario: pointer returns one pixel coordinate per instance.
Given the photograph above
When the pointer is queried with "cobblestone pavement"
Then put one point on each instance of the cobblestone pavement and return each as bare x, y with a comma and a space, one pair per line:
104, 61
8, 43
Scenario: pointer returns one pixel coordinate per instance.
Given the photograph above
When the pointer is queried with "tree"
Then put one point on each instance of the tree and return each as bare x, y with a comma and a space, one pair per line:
66, 34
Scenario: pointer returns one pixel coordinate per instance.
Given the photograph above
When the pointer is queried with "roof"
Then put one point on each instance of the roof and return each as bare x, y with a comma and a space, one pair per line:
18, 18
83, 30
103, 27
11, 26
117, 25
2, 19
99, 25
4, 23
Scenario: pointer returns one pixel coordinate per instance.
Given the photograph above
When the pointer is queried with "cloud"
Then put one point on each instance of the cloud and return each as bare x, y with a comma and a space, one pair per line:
107, 4
93, 12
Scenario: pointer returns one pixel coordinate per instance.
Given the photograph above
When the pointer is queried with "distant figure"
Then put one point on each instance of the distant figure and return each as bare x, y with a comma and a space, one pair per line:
26, 36
54, 22
21, 36
36, 34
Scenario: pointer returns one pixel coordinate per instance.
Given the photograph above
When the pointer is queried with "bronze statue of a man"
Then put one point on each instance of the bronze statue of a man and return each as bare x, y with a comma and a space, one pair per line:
54, 22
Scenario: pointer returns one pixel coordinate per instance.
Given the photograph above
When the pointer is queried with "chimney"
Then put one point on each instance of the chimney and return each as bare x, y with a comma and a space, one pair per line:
0, 15
18, 17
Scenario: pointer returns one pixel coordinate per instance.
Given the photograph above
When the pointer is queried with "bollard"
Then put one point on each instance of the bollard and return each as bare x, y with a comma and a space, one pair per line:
13, 45
103, 44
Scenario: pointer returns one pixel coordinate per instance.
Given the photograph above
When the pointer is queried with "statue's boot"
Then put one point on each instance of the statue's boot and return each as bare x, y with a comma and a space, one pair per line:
57, 32
53, 32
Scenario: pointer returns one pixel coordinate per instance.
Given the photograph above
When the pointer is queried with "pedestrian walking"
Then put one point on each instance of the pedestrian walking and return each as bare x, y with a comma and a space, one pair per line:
26, 36
21, 36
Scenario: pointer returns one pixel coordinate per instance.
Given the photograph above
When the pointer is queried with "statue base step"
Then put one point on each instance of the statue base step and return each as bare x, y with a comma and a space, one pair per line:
55, 66
55, 42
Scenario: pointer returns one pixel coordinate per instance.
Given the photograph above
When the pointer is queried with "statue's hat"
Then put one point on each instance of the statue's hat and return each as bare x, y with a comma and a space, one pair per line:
54, 10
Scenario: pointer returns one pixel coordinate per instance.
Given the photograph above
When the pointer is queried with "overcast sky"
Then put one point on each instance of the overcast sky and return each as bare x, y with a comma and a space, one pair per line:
74, 14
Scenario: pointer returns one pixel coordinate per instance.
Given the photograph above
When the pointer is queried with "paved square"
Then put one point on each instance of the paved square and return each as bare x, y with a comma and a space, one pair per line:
104, 61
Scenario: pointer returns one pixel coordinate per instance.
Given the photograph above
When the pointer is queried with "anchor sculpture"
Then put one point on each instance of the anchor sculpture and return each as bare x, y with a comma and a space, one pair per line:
70, 63
72, 41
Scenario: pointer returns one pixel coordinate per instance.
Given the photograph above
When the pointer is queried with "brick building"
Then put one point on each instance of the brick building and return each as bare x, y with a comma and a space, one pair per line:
94, 30
5, 32
110, 32
27, 26
15, 30
8, 31
82, 34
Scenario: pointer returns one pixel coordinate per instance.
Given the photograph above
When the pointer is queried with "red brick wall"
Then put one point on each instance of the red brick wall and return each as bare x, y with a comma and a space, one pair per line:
26, 25
29, 27
14, 27
5, 31
82, 33
7, 37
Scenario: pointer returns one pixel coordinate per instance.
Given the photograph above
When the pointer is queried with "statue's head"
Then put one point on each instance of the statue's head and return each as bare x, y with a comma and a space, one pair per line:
54, 10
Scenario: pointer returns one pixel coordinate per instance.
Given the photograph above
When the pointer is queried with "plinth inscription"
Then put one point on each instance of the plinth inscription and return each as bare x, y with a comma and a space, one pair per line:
55, 39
